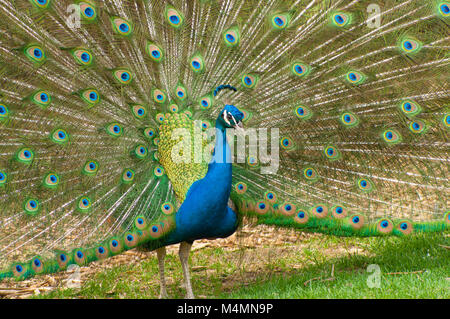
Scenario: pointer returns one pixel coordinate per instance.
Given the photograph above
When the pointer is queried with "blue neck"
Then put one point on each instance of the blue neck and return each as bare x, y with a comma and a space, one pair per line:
222, 152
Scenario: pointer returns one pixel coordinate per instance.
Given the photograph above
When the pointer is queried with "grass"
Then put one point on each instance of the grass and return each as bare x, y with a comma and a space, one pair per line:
414, 267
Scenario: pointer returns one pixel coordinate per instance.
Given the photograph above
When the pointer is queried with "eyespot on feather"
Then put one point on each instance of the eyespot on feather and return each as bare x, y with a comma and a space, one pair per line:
140, 151
391, 136
444, 9
303, 112
4, 112
252, 161
310, 174
356, 221
84, 204
59, 136
83, 57
261, 207
102, 252
42, 99
332, 153
167, 208
154, 51
385, 226
364, 184
19, 270
240, 187
51, 181
114, 129
31, 206
149, 132
37, 264
173, 108
206, 102
140, 222
90, 96
410, 45
159, 118
63, 259
122, 26
270, 196
158, 171
25, 155
349, 119
127, 176
301, 216
180, 92
355, 77
287, 209
90, 168
300, 69
115, 245
35, 53
174, 17
123, 76
131, 240
3, 178
405, 226
410, 108
319, 210
231, 37
79, 257
156, 231
159, 96
280, 21
339, 211
418, 127
197, 63
41, 4
138, 111
287, 143
205, 125
88, 11
341, 19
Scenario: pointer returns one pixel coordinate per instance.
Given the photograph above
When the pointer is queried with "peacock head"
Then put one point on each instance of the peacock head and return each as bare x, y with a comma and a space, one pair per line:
230, 117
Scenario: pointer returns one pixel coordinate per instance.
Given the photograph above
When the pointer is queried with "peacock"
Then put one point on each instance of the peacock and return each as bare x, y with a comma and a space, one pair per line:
142, 124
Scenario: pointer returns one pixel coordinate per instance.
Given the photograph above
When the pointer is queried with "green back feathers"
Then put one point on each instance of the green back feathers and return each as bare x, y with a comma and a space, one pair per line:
180, 152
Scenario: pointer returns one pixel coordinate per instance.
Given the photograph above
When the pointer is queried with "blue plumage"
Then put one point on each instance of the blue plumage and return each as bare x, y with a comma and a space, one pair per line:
205, 213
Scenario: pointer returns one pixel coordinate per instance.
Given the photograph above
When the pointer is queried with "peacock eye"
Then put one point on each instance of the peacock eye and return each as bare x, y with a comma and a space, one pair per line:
229, 116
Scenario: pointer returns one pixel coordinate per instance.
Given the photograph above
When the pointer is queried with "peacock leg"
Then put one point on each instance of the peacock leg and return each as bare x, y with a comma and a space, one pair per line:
185, 248
161, 253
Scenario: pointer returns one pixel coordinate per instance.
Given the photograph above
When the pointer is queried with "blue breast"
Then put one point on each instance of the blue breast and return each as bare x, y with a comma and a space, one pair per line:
204, 213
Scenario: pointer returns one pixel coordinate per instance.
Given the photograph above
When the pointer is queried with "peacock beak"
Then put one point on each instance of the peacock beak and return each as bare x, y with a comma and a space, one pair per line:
239, 126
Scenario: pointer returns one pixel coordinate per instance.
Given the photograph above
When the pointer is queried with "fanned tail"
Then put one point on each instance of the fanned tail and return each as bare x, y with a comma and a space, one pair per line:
359, 101
79, 179
363, 119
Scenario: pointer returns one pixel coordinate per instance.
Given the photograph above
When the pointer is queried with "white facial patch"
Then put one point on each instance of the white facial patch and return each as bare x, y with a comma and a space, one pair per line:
225, 117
